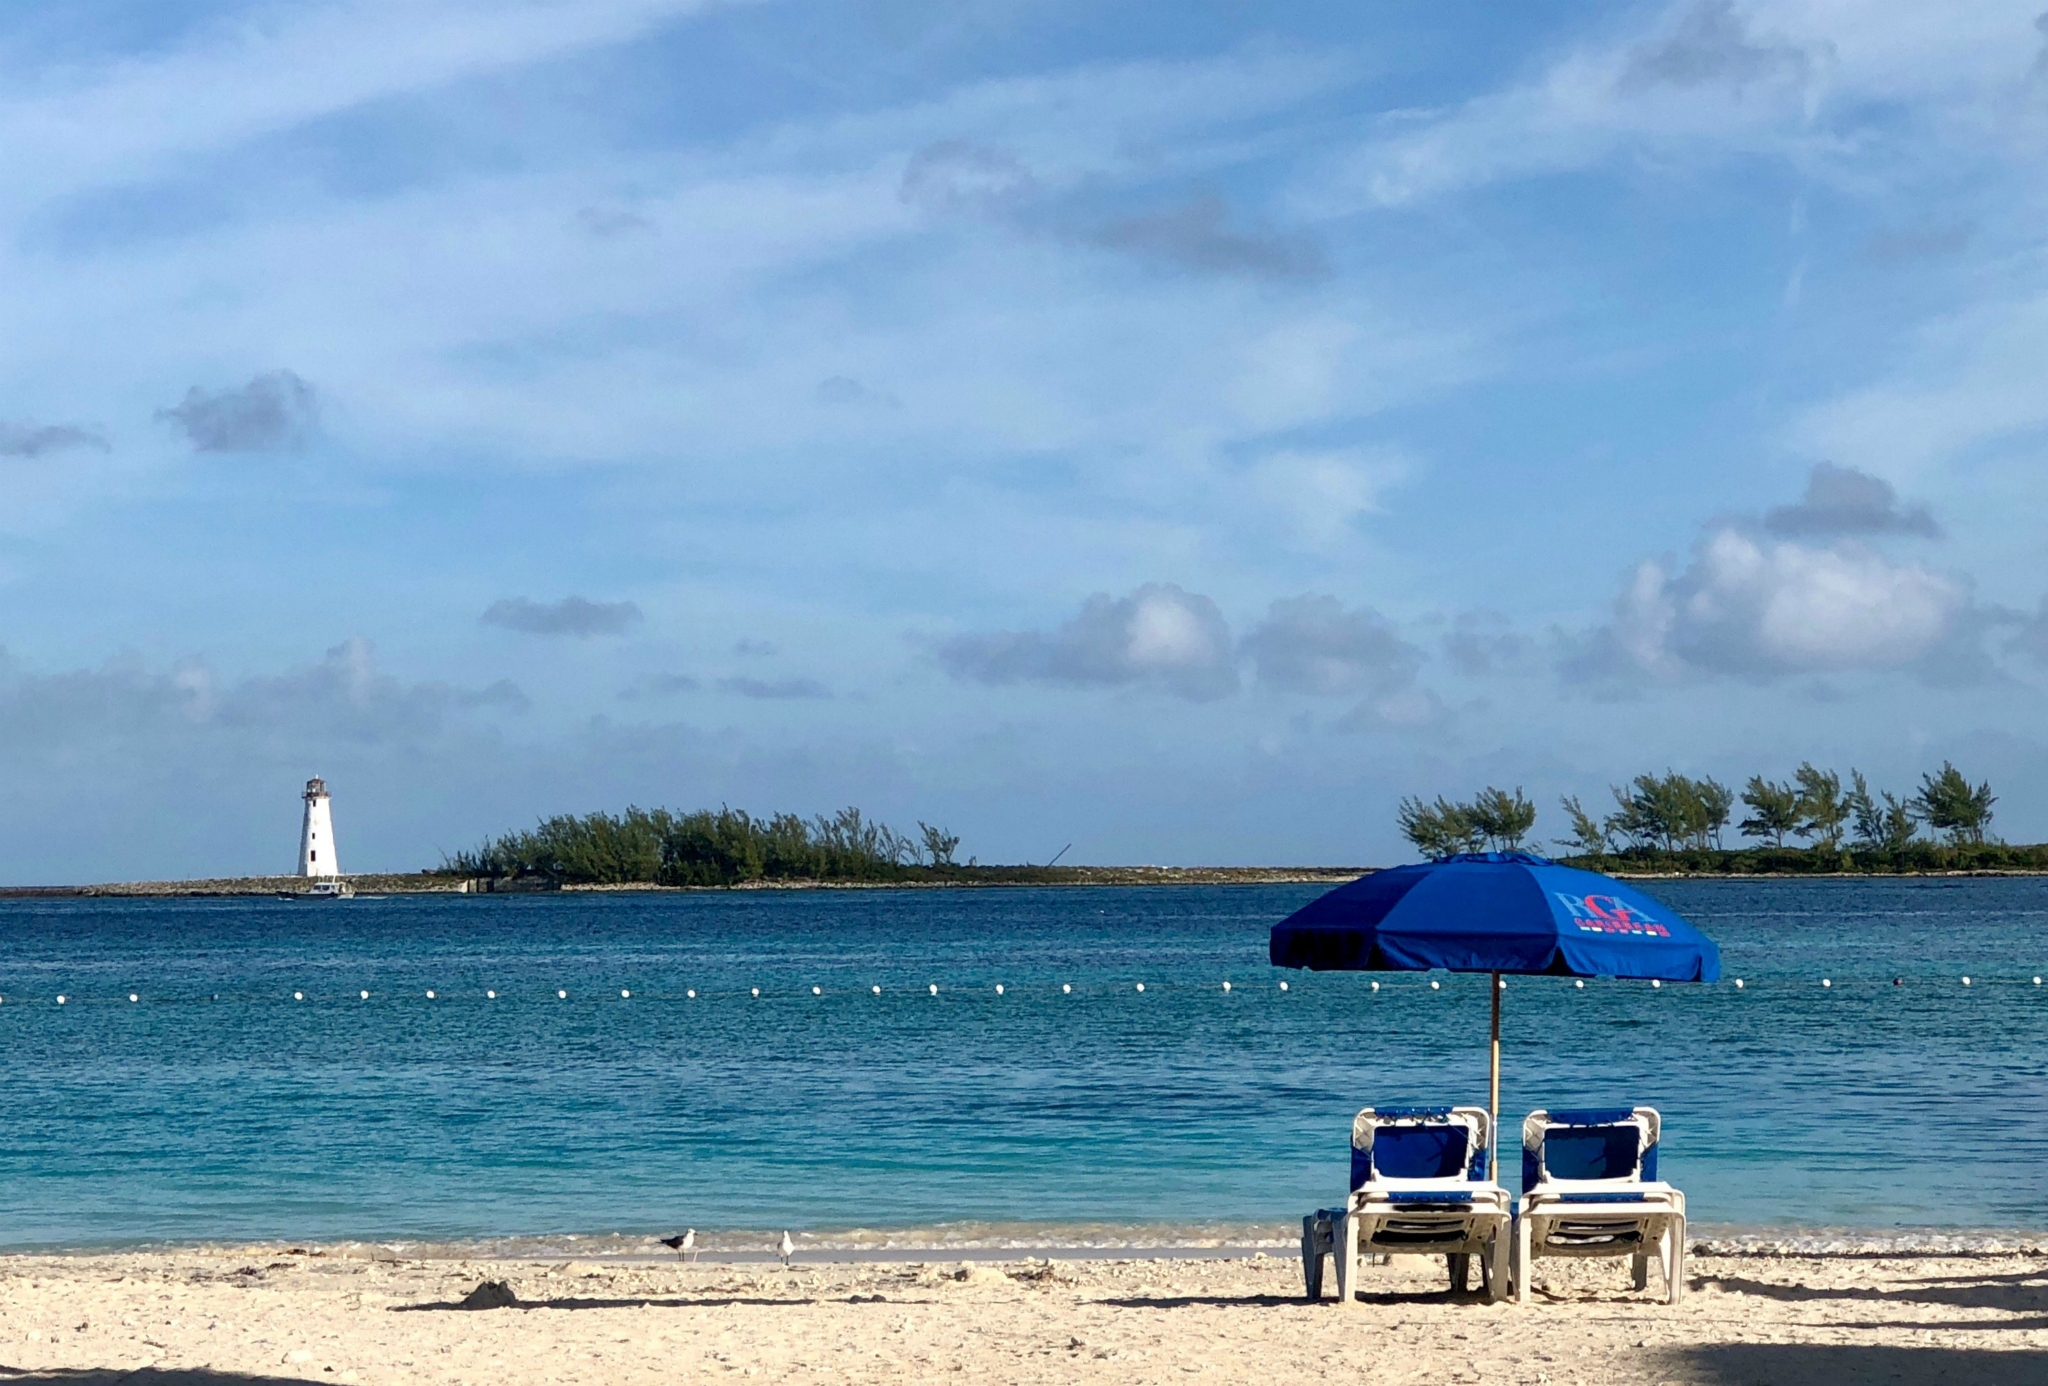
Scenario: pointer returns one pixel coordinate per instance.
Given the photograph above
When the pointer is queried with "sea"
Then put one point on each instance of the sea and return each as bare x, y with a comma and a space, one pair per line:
966, 1068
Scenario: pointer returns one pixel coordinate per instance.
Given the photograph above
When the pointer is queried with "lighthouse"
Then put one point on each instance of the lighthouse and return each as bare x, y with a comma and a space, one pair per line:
316, 833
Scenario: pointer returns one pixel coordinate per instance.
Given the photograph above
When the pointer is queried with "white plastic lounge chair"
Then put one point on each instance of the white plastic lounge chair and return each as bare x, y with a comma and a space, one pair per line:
1420, 1187
1590, 1188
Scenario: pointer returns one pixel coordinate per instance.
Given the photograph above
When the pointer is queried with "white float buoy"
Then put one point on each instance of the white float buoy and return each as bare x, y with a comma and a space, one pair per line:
430, 995
298, 996
1655, 983
1226, 986
133, 997
1141, 986
1826, 982
366, 996
1066, 988
60, 1000
490, 996
1966, 981
817, 991
1375, 986
999, 988
876, 990
935, 988
1283, 986
756, 991
625, 995
1503, 984
2037, 981
1580, 984
691, 994
1436, 986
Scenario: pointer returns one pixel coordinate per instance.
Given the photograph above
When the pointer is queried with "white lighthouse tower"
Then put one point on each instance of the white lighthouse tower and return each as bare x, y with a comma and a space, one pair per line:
316, 833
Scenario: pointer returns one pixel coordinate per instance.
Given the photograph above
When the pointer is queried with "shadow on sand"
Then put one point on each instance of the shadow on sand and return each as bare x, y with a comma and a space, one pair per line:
146, 1376
1812, 1364
2023, 1295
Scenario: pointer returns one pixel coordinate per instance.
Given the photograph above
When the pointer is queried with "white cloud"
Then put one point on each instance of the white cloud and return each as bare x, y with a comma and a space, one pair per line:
1762, 608
1705, 78
277, 67
1161, 636
1313, 644
1323, 494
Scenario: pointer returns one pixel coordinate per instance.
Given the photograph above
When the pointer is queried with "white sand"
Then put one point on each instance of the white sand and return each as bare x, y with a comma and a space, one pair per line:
337, 1316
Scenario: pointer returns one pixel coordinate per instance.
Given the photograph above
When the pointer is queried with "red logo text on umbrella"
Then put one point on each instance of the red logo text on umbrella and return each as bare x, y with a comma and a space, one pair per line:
1607, 914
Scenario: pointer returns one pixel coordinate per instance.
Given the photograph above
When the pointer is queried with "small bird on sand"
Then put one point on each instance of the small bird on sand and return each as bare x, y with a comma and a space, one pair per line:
788, 1250
685, 1246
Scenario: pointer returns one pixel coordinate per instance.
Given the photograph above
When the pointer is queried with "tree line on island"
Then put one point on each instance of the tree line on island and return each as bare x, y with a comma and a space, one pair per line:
1812, 822
722, 848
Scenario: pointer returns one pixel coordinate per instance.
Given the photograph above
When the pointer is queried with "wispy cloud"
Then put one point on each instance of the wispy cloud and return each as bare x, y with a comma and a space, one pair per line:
37, 440
774, 690
572, 616
274, 412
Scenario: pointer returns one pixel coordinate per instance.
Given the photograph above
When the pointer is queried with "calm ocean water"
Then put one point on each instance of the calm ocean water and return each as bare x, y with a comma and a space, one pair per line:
218, 1107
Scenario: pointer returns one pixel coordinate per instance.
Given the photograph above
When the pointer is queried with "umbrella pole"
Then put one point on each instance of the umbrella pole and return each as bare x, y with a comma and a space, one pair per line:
1493, 1088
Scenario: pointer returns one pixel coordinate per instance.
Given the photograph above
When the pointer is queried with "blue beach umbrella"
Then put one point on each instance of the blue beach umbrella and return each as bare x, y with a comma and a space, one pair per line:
1494, 912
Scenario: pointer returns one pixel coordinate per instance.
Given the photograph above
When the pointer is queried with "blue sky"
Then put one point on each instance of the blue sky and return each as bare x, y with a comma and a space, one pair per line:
1177, 430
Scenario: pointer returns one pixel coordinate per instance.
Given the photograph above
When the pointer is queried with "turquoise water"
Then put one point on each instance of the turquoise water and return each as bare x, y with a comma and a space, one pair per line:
217, 1107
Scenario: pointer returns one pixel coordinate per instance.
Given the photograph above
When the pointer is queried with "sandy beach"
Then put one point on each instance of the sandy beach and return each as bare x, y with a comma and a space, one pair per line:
347, 1315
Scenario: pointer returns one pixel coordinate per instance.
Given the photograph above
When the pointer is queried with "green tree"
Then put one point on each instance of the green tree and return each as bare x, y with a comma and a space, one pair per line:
1503, 819
1717, 802
1588, 836
1819, 806
939, 845
1884, 822
1669, 810
1950, 805
1775, 809
1424, 826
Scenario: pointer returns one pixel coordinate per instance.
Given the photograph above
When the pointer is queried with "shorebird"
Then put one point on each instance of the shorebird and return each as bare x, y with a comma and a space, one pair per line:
788, 1249
685, 1246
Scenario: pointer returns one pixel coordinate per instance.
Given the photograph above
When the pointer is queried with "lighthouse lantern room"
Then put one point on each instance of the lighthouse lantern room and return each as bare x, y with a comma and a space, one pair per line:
316, 833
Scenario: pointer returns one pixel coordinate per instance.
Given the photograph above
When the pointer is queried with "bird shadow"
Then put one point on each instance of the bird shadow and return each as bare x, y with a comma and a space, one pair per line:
1741, 1364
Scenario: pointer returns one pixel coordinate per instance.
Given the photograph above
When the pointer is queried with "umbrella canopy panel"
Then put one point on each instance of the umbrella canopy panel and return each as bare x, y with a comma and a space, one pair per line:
1494, 912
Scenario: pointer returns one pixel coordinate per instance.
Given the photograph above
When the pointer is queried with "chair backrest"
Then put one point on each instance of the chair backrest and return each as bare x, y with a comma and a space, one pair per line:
1418, 1143
1609, 1145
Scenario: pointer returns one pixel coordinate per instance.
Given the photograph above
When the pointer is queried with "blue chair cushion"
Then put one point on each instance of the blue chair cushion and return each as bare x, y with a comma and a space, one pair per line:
1413, 1152
1592, 1152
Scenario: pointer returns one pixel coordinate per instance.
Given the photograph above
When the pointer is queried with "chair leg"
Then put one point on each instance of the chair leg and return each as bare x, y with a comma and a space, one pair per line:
1461, 1268
1674, 1261
1496, 1267
1347, 1261
1311, 1258
1525, 1259
1639, 1267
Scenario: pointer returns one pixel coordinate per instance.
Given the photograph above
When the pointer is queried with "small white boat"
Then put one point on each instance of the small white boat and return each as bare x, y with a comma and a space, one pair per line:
321, 890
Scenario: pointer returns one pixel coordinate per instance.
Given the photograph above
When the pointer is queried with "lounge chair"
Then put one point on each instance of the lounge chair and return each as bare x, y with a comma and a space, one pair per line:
1590, 1188
1420, 1187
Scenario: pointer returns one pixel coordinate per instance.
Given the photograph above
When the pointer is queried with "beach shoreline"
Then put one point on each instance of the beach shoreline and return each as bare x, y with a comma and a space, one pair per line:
424, 883
277, 1313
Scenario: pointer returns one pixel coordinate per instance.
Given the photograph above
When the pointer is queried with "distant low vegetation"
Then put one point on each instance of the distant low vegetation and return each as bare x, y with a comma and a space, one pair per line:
722, 848
1811, 822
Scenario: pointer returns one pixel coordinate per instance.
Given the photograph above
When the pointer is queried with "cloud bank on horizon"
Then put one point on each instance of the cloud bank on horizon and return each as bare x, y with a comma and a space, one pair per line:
1181, 433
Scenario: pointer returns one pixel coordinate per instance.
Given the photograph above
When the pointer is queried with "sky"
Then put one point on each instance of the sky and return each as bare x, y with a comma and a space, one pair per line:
1178, 431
